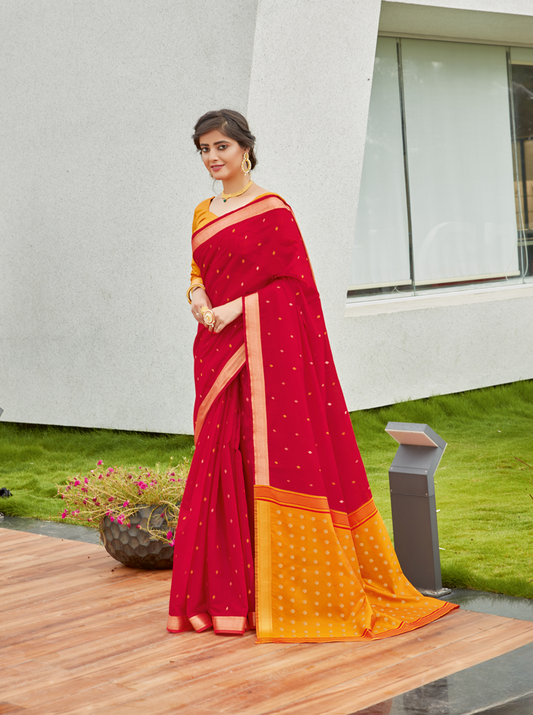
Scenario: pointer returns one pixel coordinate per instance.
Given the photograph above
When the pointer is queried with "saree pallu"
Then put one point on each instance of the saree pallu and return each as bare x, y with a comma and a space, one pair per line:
277, 527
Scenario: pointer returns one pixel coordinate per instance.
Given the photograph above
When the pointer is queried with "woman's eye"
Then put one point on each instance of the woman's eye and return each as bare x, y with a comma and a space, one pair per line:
222, 146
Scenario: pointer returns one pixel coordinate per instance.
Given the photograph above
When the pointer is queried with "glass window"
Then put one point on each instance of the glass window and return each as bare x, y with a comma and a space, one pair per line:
522, 85
380, 258
447, 171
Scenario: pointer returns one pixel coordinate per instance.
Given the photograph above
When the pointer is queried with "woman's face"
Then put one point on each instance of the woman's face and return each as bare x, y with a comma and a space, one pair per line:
221, 155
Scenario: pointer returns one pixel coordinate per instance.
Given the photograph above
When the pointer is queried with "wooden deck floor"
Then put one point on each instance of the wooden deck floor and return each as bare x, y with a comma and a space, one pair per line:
82, 634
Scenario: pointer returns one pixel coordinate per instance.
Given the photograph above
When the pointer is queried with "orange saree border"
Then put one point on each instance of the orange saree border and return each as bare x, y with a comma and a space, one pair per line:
254, 208
230, 625
368, 635
317, 504
257, 384
290, 556
230, 369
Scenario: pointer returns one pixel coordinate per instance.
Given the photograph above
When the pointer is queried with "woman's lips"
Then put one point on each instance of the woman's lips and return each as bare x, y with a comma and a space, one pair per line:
216, 168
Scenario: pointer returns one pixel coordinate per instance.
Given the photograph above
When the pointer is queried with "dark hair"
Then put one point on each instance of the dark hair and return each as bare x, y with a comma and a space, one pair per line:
232, 124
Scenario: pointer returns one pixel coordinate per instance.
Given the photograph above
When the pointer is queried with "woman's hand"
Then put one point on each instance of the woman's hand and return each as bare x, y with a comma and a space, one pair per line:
199, 299
226, 314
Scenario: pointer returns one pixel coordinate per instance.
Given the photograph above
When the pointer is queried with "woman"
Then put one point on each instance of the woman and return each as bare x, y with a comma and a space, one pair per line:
277, 529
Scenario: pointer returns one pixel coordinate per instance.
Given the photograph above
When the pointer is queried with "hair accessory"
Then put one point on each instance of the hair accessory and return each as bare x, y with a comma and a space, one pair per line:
225, 197
192, 288
246, 164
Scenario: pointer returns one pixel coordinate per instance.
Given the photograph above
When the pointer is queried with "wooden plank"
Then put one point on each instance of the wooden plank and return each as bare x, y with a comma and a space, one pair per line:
13, 536
416, 671
85, 635
301, 667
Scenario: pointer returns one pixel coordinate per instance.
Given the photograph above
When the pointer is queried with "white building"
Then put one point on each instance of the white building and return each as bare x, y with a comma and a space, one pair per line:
420, 237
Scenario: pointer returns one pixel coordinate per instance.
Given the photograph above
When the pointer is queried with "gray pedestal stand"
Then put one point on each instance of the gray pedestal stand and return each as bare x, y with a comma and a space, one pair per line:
414, 514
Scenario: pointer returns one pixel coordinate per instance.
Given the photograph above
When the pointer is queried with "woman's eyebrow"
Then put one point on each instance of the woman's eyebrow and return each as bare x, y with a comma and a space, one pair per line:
221, 141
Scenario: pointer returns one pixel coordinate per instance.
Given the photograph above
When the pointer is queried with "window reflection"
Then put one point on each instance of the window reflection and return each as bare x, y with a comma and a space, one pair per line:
522, 76
437, 211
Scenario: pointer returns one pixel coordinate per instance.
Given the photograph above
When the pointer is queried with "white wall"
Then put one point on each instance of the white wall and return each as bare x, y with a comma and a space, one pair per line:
99, 178
98, 181
411, 348
310, 109
309, 97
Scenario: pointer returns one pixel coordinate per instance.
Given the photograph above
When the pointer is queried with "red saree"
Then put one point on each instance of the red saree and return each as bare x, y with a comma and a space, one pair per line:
277, 526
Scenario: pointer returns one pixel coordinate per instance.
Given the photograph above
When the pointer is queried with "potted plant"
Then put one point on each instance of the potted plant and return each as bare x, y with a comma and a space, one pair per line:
135, 510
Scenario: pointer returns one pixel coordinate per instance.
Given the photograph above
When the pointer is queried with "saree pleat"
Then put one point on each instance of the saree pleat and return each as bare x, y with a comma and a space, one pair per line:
277, 522
213, 575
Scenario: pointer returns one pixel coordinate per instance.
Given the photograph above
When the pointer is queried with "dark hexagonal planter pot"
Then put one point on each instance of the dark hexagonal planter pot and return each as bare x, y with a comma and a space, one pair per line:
135, 547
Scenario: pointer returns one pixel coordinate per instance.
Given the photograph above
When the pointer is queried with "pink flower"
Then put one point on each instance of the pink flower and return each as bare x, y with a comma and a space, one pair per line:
77, 483
171, 480
111, 499
138, 526
61, 496
99, 462
111, 518
64, 514
169, 535
86, 480
126, 504
172, 542
89, 518
110, 470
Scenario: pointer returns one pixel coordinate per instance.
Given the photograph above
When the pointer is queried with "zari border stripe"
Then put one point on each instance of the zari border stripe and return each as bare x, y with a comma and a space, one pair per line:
367, 635
294, 499
320, 504
254, 208
254, 352
230, 369
263, 567
354, 518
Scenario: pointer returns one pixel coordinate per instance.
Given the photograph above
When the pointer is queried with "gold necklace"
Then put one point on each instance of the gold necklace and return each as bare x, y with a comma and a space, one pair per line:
225, 197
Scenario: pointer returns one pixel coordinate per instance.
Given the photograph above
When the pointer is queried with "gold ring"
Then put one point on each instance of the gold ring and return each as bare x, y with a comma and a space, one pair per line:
208, 315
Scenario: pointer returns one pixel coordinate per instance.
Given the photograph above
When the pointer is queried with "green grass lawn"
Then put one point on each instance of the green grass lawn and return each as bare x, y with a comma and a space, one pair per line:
34, 459
483, 483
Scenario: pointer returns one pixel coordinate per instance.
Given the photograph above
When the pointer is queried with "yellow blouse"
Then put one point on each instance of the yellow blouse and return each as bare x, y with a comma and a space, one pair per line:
203, 216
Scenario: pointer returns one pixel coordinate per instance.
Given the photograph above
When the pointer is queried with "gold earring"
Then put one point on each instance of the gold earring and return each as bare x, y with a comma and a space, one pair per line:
246, 164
